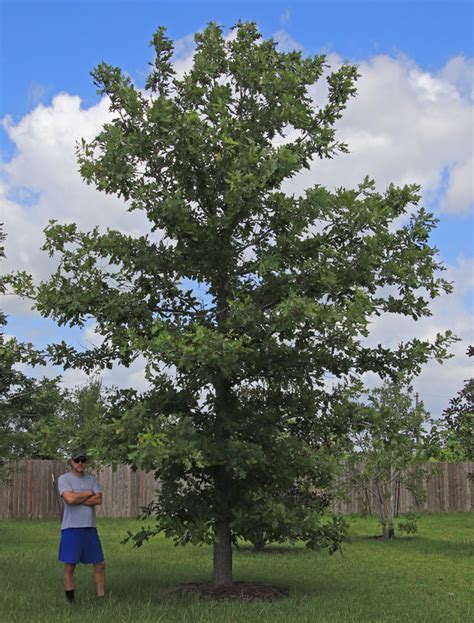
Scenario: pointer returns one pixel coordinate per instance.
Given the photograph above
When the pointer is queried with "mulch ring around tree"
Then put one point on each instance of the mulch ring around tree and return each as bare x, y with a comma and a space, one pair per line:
238, 591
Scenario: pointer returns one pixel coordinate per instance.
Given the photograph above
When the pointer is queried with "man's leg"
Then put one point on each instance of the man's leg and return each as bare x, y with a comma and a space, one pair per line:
99, 579
69, 577
69, 581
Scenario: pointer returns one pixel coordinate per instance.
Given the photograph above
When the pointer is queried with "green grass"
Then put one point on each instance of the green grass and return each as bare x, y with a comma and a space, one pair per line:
427, 577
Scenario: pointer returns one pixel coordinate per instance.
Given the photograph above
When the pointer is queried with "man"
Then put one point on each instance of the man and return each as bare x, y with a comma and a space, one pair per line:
79, 539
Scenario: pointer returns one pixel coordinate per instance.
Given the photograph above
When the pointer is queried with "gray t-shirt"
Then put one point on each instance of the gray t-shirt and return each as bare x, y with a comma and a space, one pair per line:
77, 515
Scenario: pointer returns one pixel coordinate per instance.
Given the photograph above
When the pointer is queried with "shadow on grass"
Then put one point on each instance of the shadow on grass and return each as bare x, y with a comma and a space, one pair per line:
270, 550
419, 543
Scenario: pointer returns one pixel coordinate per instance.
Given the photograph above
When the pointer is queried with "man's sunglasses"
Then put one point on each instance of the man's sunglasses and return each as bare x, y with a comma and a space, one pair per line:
80, 460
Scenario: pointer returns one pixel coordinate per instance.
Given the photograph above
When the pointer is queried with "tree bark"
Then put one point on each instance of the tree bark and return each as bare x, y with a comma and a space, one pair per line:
388, 530
223, 404
223, 555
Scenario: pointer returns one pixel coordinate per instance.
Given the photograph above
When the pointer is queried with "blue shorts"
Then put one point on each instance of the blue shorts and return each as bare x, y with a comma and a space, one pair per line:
80, 545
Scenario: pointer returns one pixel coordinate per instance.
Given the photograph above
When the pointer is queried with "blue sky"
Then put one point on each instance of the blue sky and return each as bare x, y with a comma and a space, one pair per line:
47, 47
425, 47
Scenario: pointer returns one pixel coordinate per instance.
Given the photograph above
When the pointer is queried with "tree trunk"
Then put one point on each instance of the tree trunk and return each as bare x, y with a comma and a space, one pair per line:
390, 526
222, 555
259, 543
397, 495
223, 406
387, 513
388, 530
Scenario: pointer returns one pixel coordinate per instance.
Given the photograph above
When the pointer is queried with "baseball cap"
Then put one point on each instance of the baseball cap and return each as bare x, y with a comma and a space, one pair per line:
78, 453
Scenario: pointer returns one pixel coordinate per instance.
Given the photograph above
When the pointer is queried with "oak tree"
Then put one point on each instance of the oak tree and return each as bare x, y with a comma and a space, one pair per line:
241, 298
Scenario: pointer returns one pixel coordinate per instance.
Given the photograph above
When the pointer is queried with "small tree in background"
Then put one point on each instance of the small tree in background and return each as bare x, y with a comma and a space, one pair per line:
291, 283
453, 435
388, 452
25, 402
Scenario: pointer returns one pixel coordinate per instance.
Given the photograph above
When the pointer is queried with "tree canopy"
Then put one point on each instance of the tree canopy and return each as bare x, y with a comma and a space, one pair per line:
241, 298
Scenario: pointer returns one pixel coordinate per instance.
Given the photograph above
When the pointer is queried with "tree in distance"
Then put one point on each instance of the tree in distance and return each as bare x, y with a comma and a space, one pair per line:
453, 435
290, 283
26, 403
389, 448
40, 419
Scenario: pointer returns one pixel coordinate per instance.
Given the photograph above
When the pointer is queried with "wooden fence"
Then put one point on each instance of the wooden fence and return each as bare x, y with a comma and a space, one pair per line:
30, 493
447, 488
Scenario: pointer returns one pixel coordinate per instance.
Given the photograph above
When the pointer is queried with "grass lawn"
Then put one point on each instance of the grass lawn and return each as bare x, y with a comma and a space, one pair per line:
427, 577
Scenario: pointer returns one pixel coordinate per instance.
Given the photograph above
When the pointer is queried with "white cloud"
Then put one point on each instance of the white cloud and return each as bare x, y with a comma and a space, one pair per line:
404, 126
437, 383
119, 376
91, 337
44, 165
285, 41
184, 49
459, 71
458, 196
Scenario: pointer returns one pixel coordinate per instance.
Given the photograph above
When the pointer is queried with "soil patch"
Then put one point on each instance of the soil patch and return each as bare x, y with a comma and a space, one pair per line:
239, 591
